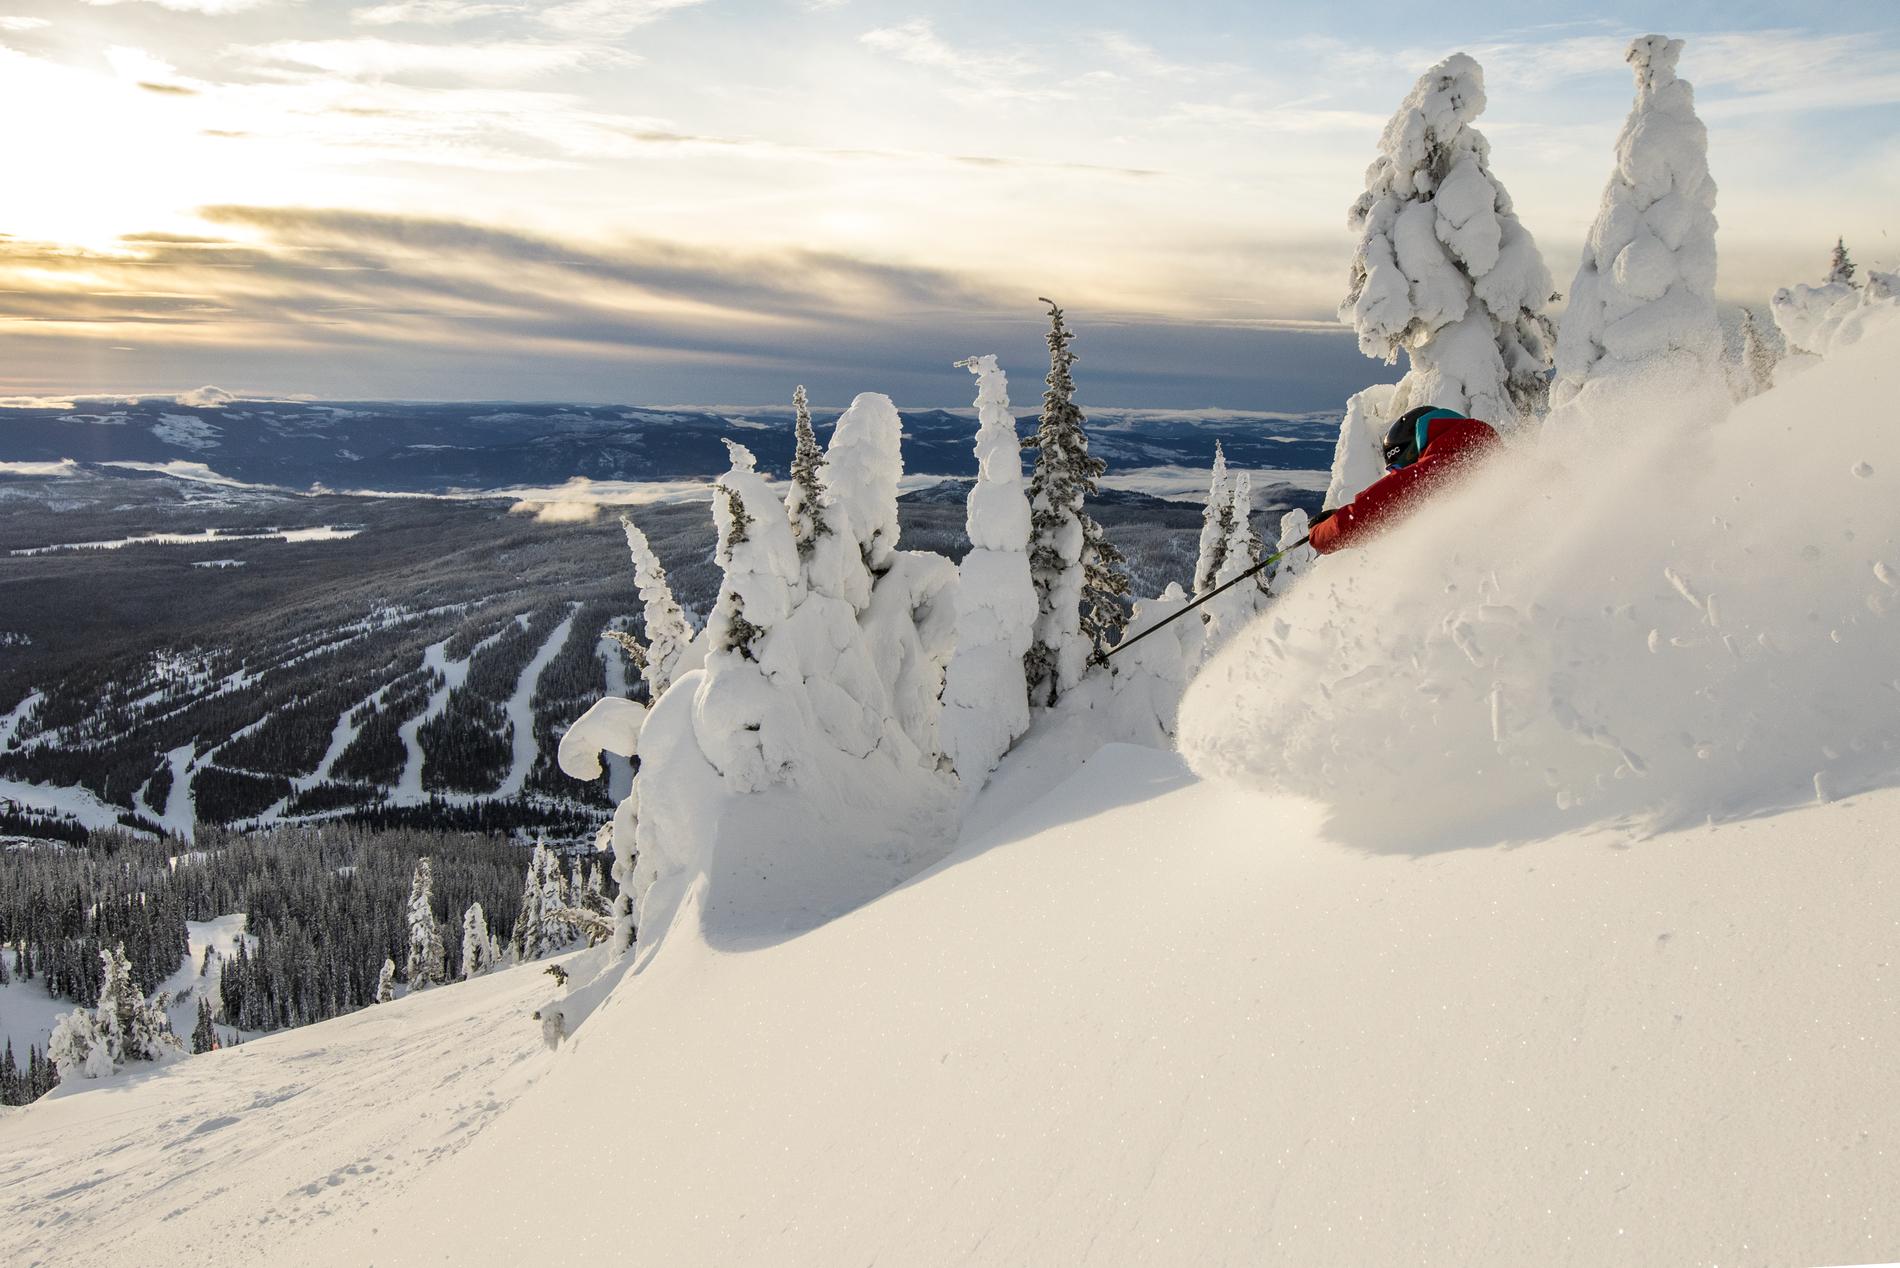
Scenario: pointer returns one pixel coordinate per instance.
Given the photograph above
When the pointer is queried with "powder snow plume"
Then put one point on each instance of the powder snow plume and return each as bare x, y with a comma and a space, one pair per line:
1659, 624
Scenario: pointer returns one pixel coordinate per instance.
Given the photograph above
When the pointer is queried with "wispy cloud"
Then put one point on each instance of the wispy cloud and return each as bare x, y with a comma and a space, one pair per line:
433, 12
598, 18
12, 23
366, 58
210, 7
984, 75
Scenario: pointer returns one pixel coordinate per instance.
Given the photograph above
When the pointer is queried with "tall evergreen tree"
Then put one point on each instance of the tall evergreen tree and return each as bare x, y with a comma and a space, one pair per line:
386, 982
478, 944
204, 1036
1077, 572
1758, 358
804, 501
1840, 268
427, 965
1214, 525
669, 636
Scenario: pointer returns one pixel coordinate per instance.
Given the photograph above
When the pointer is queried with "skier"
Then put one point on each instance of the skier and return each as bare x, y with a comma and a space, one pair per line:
1422, 450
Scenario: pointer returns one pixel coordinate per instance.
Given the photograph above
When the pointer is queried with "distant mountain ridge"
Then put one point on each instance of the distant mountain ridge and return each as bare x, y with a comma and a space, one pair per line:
432, 447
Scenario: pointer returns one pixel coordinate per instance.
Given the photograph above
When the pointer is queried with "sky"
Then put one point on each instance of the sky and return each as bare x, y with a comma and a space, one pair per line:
708, 201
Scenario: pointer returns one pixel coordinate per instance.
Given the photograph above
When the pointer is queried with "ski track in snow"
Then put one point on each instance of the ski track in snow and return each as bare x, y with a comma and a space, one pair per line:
249, 1144
408, 790
521, 708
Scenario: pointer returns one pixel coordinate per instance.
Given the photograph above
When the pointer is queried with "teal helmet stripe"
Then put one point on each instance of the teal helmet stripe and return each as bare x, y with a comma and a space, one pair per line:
1425, 421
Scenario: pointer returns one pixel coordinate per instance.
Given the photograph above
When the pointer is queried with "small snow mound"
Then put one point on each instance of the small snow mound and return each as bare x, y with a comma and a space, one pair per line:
1687, 623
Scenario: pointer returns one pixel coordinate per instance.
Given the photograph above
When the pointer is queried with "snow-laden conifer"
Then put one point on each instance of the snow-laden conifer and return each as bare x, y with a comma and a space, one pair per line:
1444, 271
669, 638
386, 982
985, 709
204, 1035
1295, 560
540, 929
1077, 572
805, 500
1359, 457
124, 1026
1640, 338
1214, 526
427, 963
1840, 267
479, 952
1230, 610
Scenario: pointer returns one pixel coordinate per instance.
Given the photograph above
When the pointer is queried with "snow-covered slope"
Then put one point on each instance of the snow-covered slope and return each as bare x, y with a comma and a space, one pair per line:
1149, 1019
217, 1159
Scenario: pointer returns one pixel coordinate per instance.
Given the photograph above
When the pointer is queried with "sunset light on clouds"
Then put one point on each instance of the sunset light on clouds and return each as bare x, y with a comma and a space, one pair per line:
701, 199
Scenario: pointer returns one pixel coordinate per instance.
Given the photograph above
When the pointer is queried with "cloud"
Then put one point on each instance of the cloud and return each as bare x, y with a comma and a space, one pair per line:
606, 18
433, 12
8, 23
558, 512
206, 397
977, 75
373, 59
211, 8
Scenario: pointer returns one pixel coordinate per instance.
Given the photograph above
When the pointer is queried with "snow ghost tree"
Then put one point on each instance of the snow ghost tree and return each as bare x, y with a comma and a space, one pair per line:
1840, 268
479, 953
1359, 457
1216, 523
1816, 319
1444, 270
804, 501
1077, 571
124, 1026
1640, 338
541, 929
428, 956
983, 709
1230, 610
386, 982
1294, 559
669, 637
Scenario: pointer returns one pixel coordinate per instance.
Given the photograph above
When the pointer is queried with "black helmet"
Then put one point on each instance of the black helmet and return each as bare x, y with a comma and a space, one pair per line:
1405, 439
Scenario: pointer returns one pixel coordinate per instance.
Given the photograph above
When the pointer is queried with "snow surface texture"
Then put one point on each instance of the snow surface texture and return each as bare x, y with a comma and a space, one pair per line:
1445, 271
219, 1158
985, 698
1141, 1020
1818, 319
1640, 337
1650, 626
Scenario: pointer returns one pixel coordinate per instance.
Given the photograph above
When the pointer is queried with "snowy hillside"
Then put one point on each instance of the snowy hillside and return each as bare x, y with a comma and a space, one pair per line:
1149, 1019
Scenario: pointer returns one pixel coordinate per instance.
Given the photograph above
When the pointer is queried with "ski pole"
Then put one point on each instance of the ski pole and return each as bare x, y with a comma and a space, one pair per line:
1102, 658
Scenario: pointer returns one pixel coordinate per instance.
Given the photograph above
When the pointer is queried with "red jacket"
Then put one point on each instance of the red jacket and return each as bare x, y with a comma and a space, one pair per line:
1451, 445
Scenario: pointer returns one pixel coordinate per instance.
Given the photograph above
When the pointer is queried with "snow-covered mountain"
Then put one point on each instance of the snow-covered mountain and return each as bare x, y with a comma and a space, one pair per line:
1523, 892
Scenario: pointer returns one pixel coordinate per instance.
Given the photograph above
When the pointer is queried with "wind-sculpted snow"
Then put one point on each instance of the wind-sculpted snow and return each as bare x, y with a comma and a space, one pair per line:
1698, 622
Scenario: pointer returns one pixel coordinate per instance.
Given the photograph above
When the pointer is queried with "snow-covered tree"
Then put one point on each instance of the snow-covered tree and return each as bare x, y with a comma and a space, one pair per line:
1215, 525
1758, 358
1640, 338
1817, 319
540, 929
1840, 268
1294, 559
1359, 457
1079, 581
479, 952
124, 1026
805, 500
984, 712
669, 637
1444, 271
386, 982
1230, 610
428, 956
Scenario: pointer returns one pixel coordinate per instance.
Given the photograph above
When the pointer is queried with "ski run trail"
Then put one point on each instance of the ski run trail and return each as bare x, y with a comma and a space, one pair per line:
1525, 890
521, 709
